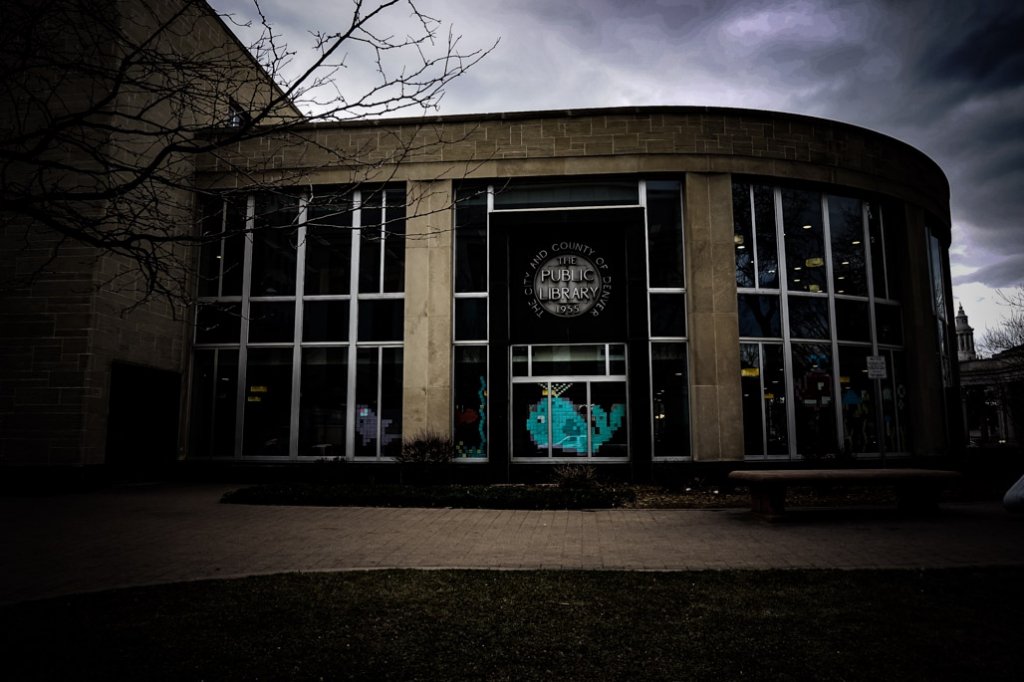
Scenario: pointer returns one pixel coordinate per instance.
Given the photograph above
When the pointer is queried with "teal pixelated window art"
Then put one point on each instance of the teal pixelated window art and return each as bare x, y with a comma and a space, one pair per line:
470, 422
569, 401
564, 422
470, 412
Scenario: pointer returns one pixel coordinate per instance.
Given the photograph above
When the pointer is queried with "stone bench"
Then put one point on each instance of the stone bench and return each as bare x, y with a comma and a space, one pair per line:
916, 489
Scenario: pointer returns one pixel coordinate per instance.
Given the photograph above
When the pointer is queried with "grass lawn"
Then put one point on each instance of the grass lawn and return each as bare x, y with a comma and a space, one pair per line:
962, 624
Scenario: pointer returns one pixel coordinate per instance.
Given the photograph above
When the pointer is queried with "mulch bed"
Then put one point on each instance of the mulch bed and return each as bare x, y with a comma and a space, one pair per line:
711, 497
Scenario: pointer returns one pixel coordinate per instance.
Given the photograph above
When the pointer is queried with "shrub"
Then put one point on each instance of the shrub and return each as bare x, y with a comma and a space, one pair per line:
427, 447
329, 470
575, 476
424, 458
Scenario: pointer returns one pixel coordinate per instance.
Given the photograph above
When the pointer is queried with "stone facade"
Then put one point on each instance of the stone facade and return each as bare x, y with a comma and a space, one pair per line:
649, 140
705, 147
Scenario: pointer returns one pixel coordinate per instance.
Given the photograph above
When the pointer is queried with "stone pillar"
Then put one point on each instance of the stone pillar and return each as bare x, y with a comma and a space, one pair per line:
716, 399
426, 400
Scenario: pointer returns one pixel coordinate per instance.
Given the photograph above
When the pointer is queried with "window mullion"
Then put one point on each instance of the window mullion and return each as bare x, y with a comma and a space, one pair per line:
381, 276
380, 402
837, 389
787, 343
551, 425
753, 238
869, 273
761, 399
353, 325
243, 355
222, 246
885, 257
300, 285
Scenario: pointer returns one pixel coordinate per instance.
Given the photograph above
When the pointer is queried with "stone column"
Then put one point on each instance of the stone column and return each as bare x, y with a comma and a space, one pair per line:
716, 396
426, 402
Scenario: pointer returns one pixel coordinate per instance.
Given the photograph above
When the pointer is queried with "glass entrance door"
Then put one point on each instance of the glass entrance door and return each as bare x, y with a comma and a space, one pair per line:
569, 402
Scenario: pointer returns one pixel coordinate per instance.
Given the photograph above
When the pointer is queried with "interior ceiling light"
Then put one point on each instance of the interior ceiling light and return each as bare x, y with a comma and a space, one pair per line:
807, 227
856, 242
741, 246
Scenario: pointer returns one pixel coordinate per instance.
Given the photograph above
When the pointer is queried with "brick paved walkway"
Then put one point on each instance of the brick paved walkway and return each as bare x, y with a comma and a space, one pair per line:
139, 535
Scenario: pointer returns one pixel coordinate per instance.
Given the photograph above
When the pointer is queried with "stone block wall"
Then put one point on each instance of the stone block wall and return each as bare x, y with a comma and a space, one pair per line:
649, 139
63, 305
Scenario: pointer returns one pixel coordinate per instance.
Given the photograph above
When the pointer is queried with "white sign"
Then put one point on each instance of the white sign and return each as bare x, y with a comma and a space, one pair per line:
876, 367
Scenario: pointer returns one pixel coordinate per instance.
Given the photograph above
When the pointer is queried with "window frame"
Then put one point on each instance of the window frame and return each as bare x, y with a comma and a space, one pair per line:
786, 296
297, 342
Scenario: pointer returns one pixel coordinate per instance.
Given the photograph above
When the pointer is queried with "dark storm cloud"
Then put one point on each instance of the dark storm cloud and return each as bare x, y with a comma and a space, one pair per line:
1004, 274
989, 56
969, 80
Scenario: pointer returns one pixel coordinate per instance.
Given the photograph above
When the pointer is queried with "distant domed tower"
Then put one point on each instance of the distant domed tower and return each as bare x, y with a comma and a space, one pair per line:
964, 337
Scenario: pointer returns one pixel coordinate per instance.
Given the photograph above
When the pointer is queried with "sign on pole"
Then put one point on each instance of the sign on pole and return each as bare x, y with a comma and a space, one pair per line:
876, 367
876, 371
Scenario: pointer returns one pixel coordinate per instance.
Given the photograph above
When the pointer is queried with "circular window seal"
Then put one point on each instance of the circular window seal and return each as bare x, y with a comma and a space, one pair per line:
568, 285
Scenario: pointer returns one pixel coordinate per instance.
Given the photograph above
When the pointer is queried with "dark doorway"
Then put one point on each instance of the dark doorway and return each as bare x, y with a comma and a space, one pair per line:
142, 422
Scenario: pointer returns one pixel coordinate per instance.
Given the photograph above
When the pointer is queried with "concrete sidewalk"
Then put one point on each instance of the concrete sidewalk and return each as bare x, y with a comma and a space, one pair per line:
147, 534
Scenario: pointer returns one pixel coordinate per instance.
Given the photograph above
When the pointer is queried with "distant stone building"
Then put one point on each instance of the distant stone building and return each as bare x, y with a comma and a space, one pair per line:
992, 390
964, 337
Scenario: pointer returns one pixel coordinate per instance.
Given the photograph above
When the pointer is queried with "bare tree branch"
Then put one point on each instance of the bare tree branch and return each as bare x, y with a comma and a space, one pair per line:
107, 106
1010, 332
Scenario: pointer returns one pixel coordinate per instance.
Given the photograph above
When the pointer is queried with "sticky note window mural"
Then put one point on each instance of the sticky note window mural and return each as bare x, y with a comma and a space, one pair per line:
470, 423
564, 419
569, 401
470, 408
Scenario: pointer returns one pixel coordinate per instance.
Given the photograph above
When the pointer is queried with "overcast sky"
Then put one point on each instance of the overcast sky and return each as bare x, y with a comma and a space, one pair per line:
945, 76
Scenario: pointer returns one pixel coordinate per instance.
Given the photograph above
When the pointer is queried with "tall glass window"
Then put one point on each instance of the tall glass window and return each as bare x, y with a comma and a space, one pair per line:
214, 398
803, 233
837, 305
470, 307
670, 390
937, 260
763, 382
299, 327
938, 274
666, 281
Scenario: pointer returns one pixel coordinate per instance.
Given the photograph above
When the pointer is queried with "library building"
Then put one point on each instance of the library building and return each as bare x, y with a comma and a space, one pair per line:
630, 288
